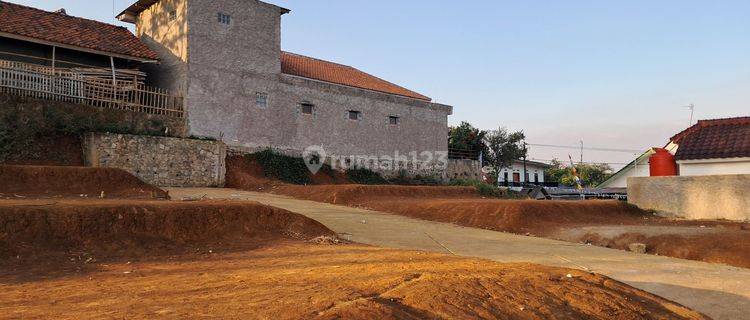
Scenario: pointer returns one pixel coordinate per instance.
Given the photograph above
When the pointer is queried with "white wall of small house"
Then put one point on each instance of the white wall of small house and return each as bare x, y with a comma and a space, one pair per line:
714, 167
533, 171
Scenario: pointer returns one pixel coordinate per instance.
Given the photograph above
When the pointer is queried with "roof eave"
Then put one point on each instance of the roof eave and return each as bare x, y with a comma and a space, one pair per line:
130, 14
77, 48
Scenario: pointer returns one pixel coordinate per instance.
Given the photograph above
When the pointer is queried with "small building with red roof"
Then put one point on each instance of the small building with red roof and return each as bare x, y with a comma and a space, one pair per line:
709, 147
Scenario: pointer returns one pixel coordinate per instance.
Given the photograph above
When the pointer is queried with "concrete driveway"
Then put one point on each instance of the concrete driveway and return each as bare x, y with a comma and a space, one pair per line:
720, 291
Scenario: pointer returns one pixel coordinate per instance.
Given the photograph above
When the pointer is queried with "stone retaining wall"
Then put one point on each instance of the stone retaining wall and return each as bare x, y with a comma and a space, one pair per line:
463, 169
693, 197
164, 162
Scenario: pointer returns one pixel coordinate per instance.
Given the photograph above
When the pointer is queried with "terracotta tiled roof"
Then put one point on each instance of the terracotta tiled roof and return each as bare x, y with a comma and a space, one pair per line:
297, 65
72, 31
711, 139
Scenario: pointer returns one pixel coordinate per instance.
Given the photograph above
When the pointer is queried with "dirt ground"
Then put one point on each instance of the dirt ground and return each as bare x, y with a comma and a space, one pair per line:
73, 182
710, 241
87, 259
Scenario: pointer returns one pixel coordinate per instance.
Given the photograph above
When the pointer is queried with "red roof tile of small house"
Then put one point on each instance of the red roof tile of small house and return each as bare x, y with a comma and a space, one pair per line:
306, 67
46, 27
712, 139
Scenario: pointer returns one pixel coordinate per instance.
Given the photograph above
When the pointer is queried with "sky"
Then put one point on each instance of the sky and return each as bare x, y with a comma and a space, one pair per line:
616, 74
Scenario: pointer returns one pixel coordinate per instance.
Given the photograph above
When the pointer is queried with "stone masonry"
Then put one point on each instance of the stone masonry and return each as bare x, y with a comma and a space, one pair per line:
161, 161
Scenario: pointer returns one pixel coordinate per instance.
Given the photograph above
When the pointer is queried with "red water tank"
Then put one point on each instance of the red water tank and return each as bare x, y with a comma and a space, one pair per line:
662, 163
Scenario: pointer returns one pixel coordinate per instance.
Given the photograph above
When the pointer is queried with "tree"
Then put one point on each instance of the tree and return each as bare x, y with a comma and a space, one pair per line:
504, 148
591, 174
466, 137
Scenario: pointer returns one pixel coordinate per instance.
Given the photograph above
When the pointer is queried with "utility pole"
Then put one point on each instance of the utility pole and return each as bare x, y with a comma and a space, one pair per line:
525, 174
581, 151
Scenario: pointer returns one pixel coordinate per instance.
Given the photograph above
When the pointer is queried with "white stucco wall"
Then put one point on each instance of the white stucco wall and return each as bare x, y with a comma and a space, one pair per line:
714, 167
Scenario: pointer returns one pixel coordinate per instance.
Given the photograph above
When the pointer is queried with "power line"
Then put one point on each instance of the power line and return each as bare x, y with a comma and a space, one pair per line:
586, 148
586, 162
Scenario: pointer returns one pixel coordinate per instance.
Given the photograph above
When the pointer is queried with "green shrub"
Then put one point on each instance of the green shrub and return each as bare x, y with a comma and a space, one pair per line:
484, 189
282, 167
403, 178
365, 176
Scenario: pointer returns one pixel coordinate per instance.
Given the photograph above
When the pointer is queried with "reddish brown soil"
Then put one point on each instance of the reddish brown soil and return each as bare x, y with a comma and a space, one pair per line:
73, 182
129, 227
463, 206
731, 247
242, 172
248, 175
286, 279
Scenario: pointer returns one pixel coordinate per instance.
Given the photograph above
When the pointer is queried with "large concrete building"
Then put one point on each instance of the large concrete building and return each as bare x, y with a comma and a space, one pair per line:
225, 58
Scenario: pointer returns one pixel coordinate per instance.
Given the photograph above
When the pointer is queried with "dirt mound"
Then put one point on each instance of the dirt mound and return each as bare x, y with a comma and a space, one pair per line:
730, 247
245, 174
519, 216
360, 194
118, 225
292, 280
53, 181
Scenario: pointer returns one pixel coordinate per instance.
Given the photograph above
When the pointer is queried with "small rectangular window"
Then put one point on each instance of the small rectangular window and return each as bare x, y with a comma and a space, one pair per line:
355, 115
261, 99
307, 108
172, 15
394, 120
224, 18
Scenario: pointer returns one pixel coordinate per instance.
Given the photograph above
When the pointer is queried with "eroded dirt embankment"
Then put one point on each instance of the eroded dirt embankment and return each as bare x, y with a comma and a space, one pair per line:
128, 227
73, 182
727, 242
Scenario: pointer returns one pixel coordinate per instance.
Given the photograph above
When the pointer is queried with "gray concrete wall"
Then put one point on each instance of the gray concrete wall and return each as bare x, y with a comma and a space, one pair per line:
228, 65
693, 197
164, 162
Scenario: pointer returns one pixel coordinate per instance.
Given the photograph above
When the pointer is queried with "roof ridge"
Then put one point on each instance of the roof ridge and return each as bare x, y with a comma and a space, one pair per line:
719, 121
411, 94
708, 123
321, 60
61, 15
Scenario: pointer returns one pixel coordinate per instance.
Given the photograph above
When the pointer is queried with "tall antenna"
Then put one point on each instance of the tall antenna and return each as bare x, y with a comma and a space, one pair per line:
692, 112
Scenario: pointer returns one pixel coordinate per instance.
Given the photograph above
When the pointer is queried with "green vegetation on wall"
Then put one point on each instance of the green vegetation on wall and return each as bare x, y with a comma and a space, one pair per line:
365, 176
279, 166
24, 122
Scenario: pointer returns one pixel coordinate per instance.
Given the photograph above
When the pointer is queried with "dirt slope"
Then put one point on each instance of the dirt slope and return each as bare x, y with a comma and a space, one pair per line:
72, 182
246, 175
121, 227
294, 280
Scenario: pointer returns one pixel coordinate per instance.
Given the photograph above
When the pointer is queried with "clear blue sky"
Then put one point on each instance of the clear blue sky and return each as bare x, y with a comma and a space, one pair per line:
615, 73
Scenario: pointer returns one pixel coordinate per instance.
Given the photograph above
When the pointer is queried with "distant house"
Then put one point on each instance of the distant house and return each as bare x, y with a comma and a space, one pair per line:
710, 147
720, 146
532, 172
